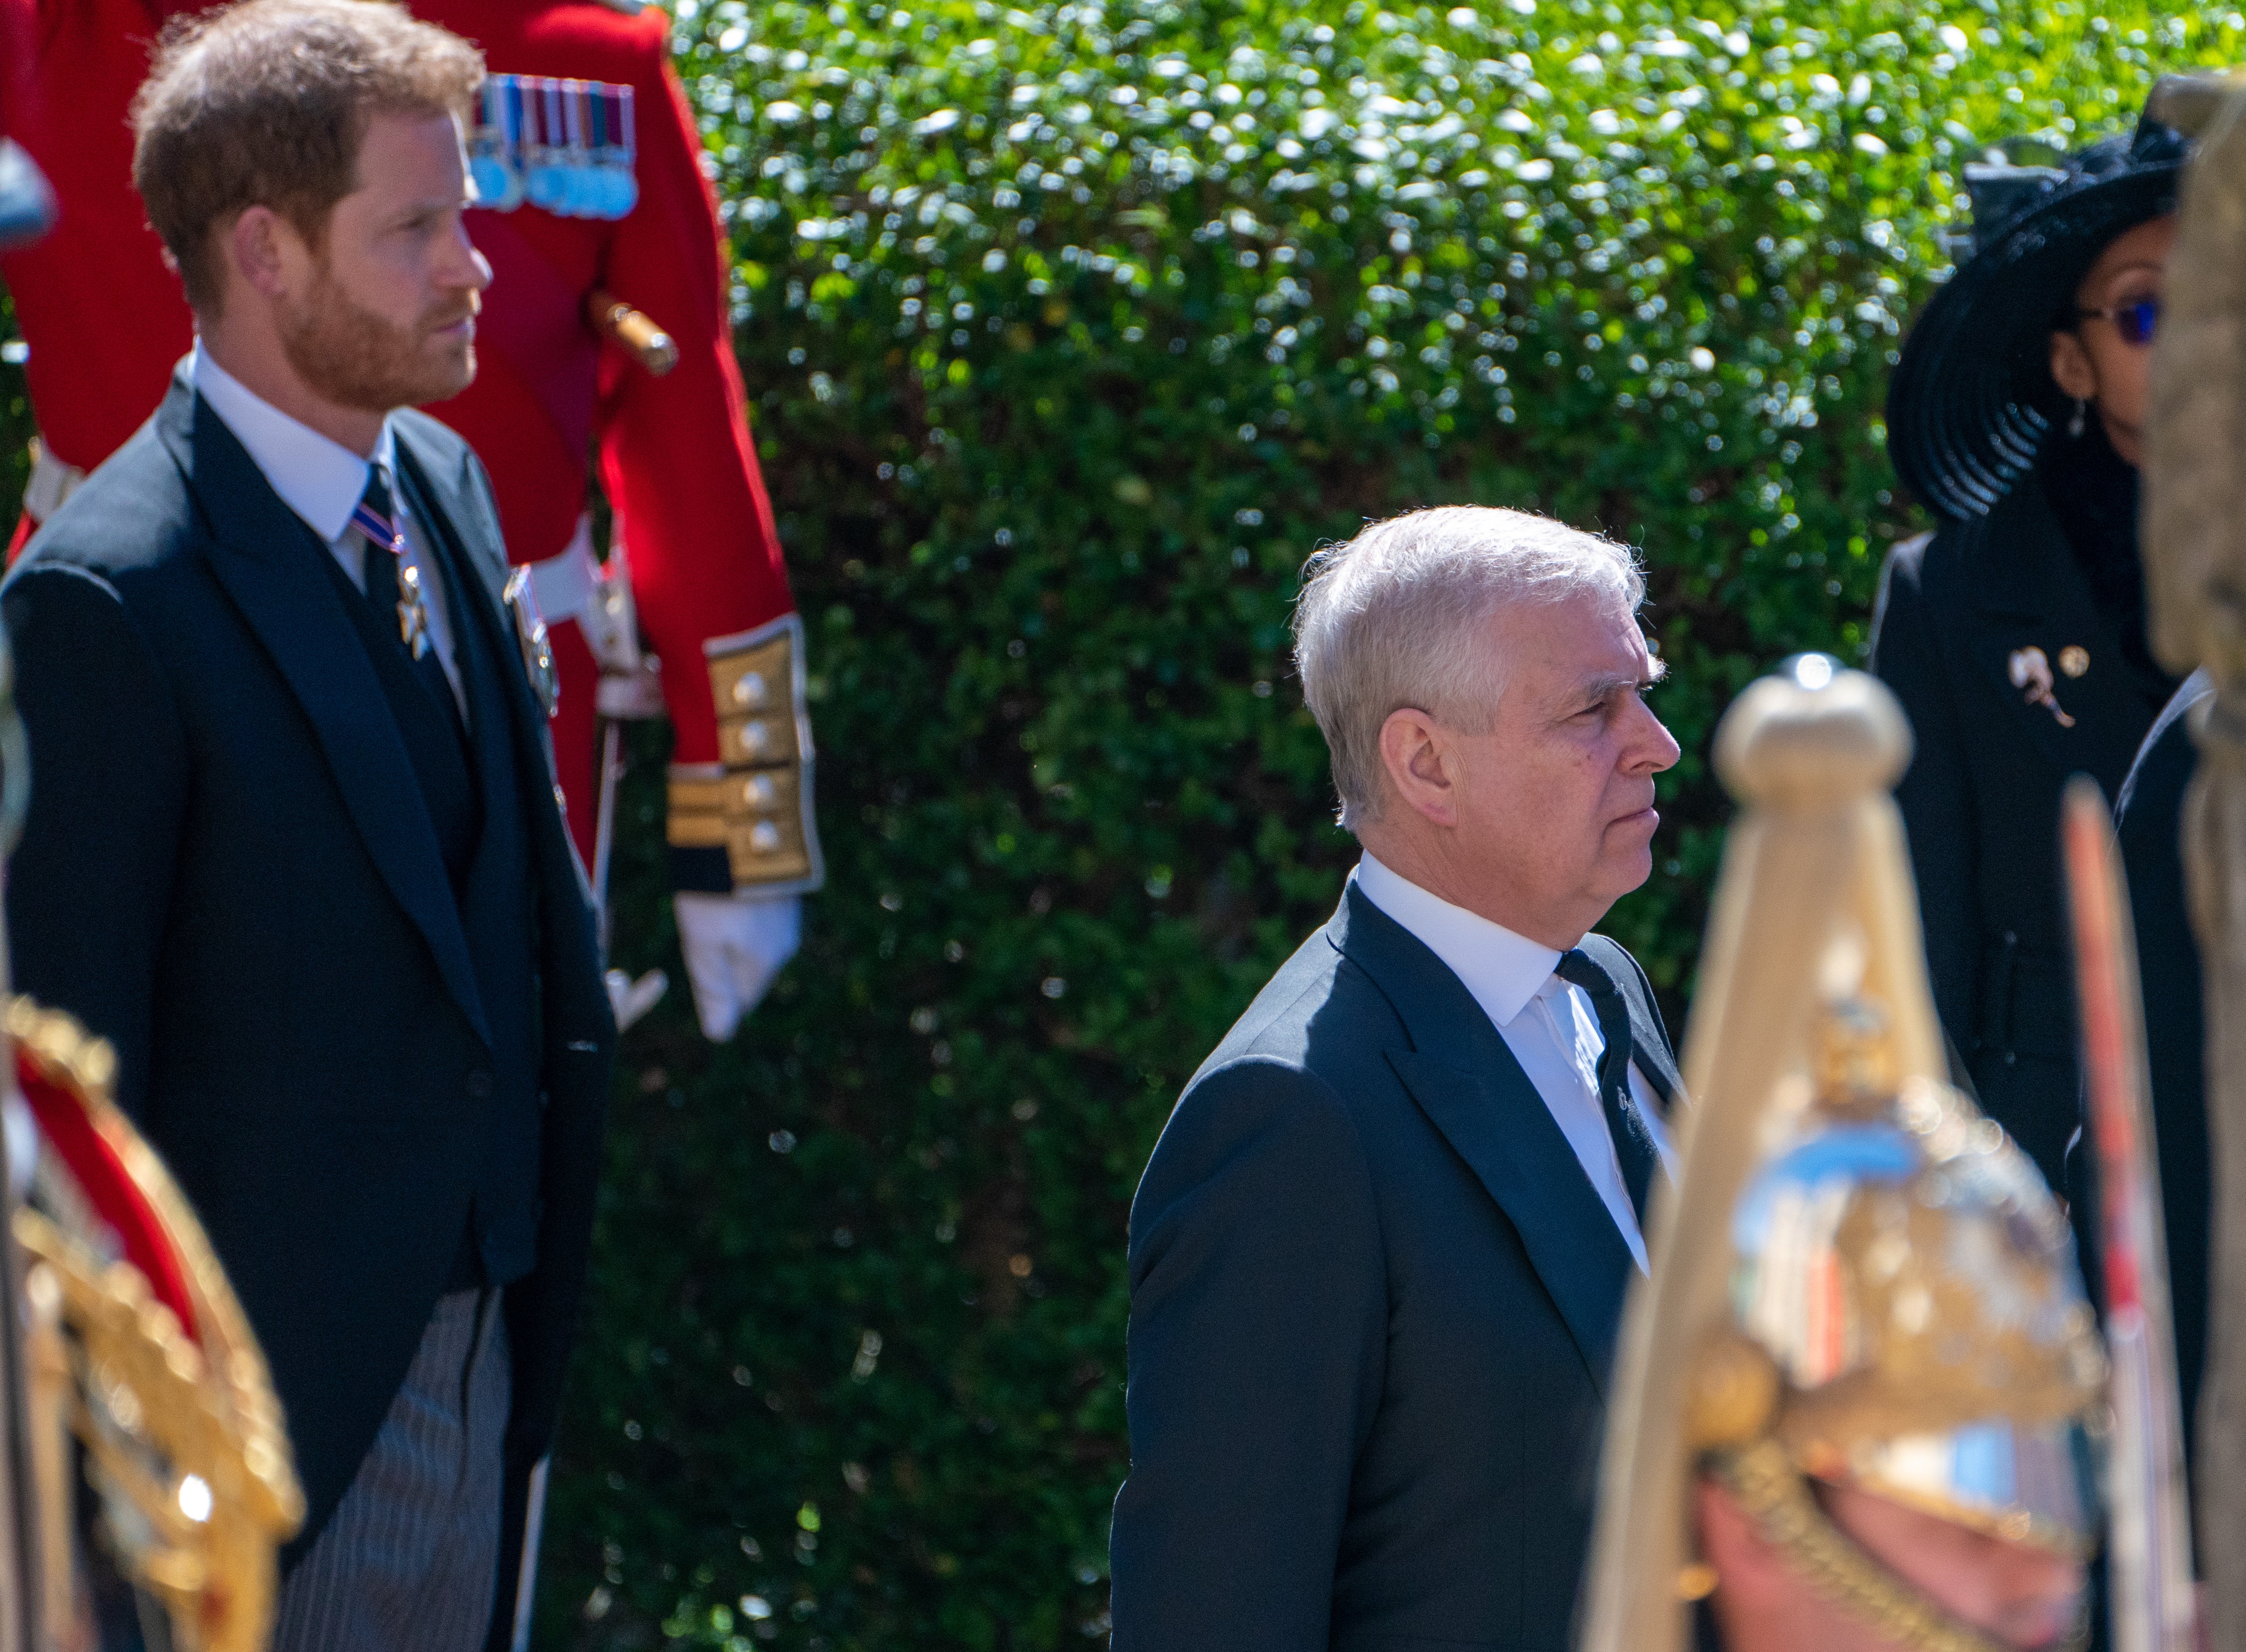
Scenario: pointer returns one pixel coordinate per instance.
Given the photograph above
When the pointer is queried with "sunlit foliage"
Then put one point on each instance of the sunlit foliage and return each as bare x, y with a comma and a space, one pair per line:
1069, 330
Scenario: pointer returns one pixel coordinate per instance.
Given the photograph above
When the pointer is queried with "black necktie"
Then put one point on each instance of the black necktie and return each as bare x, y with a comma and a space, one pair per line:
1633, 1146
398, 613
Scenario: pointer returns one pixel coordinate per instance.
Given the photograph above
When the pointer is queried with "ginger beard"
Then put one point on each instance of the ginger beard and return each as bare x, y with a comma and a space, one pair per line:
355, 357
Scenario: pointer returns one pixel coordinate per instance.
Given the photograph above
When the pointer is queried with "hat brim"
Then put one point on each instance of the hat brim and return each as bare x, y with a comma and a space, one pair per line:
1972, 397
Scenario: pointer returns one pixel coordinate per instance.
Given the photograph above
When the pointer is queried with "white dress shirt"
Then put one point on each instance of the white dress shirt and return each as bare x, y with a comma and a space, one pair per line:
1547, 1023
323, 481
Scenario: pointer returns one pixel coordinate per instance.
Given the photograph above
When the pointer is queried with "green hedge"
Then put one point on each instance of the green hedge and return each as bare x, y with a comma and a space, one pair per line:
1071, 330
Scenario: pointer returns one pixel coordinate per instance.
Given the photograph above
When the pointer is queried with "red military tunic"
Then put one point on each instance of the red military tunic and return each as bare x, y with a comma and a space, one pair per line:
105, 321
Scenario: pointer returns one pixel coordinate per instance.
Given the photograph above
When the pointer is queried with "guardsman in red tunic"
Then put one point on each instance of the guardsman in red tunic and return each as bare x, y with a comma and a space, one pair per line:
605, 340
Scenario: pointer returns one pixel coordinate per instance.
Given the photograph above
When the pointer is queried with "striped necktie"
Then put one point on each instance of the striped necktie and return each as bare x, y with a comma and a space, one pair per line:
390, 580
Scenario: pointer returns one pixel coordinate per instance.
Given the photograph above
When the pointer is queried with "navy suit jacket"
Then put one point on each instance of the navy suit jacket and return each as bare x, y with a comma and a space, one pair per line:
1374, 1298
229, 871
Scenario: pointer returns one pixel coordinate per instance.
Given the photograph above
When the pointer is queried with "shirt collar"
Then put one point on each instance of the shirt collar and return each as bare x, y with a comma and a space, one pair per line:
317, 477
1503, 970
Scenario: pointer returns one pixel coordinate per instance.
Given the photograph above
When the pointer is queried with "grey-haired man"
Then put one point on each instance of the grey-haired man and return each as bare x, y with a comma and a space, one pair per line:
1378, 1257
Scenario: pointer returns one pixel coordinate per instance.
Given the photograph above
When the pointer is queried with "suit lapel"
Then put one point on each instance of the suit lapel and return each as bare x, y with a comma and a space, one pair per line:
578, 1002
1465, 1079
531, 737
263, 555
492, 735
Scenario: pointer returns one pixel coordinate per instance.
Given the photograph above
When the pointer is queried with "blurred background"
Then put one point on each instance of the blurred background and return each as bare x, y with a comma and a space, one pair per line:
1070, 331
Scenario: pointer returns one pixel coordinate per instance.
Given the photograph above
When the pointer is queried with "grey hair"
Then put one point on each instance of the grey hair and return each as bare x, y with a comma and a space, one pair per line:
1385, 622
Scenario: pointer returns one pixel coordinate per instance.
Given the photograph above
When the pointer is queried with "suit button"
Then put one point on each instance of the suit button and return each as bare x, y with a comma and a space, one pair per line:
479, 1085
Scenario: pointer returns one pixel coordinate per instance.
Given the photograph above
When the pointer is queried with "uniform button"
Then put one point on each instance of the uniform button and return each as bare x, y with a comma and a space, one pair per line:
2012, 939
479, 1085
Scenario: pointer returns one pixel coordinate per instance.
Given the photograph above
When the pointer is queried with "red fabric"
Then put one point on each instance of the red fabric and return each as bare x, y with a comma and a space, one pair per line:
105, 321
104, 317
66, 1130
16, 45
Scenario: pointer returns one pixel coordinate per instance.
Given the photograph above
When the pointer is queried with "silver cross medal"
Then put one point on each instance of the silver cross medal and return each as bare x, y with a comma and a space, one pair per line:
413, 612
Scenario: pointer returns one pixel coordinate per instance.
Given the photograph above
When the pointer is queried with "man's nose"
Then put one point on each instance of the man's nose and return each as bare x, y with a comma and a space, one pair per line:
1648, 746
467, 269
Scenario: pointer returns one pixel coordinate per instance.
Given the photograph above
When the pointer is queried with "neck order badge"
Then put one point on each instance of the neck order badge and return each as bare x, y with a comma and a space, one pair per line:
371, 516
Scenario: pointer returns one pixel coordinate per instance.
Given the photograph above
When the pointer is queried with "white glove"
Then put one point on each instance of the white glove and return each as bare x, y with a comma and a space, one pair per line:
734, 945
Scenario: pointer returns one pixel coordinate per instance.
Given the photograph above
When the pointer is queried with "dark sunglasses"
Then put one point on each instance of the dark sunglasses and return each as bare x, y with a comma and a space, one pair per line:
2134, 322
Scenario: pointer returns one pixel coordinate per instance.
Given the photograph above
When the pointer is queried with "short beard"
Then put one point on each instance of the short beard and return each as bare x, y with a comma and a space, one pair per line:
353, 358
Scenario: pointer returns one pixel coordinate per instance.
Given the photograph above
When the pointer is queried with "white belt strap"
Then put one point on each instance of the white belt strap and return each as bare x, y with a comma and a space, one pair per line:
563, 584
51, 483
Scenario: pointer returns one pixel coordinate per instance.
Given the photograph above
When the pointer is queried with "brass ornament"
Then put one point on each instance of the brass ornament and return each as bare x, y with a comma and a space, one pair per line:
1734, 1396
1912, 1280
755, 802
531, 640
182, 1433
1859, 1280
1779, 1501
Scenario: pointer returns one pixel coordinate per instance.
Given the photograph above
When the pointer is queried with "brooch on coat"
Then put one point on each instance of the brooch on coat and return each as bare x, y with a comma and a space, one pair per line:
530, 636
2030, 669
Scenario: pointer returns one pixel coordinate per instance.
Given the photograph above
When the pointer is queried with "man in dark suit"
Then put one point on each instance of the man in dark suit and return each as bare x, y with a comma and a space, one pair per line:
294, 847
1378, 1257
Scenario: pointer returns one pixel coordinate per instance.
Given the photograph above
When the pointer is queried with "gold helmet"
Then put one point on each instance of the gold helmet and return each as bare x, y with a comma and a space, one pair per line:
1872, 1285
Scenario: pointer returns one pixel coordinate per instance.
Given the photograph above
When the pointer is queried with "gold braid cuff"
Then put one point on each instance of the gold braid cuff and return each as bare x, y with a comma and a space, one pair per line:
1778, 1500
756, 802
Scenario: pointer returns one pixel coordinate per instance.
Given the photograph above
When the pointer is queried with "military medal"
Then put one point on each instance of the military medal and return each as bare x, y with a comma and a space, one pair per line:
566, 147
413, 612
531, 638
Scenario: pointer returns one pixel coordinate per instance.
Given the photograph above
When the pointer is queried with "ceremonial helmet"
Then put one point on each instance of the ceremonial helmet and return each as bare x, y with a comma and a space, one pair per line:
1859, 1281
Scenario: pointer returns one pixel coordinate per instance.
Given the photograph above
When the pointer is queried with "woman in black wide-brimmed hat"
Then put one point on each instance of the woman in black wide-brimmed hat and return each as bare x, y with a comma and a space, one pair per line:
2014, 634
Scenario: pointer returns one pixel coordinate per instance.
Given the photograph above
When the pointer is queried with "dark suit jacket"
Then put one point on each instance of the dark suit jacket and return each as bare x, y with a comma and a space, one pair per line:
1981, 798
228, 871
1373, 1303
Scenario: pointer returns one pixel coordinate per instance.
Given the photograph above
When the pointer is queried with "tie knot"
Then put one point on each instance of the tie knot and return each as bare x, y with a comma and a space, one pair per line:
1578, 968
375, 516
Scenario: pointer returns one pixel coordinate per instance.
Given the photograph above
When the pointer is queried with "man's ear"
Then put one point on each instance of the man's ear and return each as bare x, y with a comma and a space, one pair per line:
1422, 766
259, 248
2071, 368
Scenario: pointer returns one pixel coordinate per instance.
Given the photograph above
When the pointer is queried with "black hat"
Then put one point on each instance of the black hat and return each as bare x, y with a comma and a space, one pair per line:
1972, 398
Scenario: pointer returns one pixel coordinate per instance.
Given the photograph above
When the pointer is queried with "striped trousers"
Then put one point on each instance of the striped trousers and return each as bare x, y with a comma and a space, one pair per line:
410, 1559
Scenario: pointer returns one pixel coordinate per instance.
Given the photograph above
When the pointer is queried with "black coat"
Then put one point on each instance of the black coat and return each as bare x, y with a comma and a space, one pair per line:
1981, 798
2151, 831
229, 871
1374, 1299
